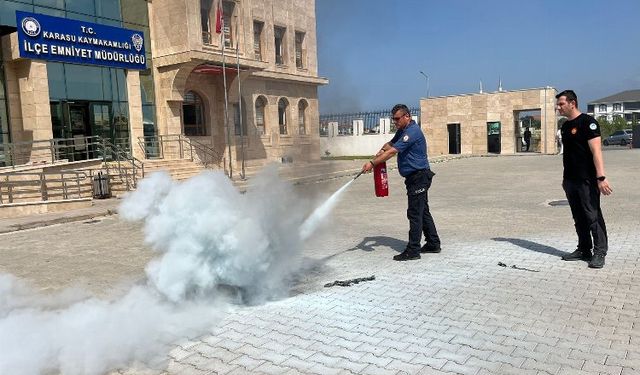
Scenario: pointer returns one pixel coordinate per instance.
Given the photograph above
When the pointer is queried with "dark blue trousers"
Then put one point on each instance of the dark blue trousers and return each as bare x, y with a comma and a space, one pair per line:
420, 219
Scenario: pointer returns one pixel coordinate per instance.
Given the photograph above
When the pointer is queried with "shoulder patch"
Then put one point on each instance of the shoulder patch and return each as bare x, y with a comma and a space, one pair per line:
593, 126
405, 138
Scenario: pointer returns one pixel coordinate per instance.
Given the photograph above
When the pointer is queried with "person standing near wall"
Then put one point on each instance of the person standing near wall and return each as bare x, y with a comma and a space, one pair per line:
584, 180
527, 138
411, 146
559, 141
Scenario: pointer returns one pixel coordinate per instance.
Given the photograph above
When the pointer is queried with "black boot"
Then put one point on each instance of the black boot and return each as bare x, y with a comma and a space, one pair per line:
578, 255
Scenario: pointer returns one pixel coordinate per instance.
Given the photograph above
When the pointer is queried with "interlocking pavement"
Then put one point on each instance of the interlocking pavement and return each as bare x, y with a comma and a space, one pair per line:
454, 312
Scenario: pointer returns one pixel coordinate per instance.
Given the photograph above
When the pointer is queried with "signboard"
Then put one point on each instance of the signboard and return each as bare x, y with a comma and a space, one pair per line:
50, 38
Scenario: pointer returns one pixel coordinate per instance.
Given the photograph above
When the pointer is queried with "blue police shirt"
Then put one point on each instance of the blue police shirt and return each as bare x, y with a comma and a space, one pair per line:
412, 149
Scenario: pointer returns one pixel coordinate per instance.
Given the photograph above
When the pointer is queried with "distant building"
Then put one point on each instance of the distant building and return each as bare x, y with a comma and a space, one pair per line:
477, 124
625, 103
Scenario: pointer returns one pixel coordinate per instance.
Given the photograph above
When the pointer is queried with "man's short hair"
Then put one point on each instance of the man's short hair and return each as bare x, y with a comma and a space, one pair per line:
400, 107
570, 95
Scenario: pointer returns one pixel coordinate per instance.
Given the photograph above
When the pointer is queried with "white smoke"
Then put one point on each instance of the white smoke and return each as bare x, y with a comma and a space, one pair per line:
209, 234
41, 334
211, 239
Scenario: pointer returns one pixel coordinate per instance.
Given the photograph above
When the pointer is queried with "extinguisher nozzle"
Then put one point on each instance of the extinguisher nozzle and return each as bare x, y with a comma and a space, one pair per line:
358, 175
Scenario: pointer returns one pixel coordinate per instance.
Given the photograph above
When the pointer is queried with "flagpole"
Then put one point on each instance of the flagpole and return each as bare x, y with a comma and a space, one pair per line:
226, 99
243, 175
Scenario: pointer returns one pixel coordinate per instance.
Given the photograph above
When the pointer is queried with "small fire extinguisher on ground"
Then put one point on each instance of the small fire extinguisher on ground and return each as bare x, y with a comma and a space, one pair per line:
380, 180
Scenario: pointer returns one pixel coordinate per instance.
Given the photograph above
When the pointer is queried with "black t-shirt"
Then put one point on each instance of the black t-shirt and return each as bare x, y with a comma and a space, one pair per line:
577, 157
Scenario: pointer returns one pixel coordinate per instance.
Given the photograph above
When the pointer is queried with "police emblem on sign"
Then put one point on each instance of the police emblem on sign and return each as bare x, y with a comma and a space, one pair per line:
31, 26
138, 41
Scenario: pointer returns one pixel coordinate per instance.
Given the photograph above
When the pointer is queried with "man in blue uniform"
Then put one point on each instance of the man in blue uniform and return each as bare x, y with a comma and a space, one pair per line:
583, 179
411, 147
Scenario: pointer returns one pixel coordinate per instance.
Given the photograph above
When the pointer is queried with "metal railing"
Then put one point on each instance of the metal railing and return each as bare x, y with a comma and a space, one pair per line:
44, 186
52, 150
178, 146
116, 159
127, 166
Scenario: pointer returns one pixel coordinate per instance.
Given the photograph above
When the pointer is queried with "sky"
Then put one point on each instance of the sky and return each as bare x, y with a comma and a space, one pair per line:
372, 51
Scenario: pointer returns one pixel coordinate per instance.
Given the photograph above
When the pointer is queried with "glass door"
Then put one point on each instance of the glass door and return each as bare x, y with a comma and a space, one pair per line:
493, 137
80, 129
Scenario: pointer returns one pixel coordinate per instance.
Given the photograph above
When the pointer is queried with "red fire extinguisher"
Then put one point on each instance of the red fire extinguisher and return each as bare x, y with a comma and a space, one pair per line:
380, 179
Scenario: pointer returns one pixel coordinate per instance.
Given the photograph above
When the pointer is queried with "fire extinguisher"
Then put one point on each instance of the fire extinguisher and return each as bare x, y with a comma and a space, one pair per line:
380, 180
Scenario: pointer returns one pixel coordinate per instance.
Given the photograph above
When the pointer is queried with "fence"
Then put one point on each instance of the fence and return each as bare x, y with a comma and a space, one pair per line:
371, 122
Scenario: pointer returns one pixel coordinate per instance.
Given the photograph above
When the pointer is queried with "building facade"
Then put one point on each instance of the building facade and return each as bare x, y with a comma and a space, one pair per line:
625, 104
236, 76
482, 123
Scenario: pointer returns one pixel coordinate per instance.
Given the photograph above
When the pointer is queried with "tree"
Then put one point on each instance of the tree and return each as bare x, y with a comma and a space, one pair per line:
606, 127
619, 123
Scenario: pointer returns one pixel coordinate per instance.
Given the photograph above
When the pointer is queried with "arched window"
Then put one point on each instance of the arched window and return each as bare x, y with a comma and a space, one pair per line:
193, 115
283, 104
261, 104
302, 116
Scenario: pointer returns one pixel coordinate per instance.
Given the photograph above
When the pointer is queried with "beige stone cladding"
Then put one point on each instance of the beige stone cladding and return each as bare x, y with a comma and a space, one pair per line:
188, 57
473, 111
28, 93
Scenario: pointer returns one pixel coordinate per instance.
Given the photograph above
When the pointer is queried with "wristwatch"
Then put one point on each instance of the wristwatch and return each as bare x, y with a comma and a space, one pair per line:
601, 178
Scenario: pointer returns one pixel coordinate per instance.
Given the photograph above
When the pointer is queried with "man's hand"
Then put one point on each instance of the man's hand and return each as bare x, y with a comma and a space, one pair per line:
604, 187
367, 167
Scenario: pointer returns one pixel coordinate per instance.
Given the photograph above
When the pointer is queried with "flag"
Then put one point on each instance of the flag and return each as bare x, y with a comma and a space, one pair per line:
219, 20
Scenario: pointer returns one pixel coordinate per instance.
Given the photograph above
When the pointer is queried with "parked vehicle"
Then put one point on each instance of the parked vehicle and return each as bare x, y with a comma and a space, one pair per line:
619, 137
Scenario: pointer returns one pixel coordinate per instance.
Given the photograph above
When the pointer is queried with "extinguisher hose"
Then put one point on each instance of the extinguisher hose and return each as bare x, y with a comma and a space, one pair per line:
358, 175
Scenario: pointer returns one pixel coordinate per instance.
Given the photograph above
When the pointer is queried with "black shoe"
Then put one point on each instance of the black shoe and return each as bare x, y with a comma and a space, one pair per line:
430, 248
597, 261
407, 255
578, 255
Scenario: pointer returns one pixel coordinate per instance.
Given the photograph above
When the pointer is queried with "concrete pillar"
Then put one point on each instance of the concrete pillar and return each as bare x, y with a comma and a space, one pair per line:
358, 127
136, 127
385, 125
333, 129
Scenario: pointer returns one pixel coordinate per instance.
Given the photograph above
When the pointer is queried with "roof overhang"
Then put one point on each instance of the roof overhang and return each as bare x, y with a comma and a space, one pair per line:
5, 30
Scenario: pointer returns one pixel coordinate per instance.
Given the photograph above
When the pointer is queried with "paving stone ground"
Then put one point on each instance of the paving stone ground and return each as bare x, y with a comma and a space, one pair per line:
455, 312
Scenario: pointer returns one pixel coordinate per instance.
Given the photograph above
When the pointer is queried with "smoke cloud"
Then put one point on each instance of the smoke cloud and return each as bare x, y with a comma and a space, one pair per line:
213, 244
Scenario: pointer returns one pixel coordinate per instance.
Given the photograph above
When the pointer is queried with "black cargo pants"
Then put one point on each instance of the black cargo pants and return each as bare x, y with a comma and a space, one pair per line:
584, 200
420, 219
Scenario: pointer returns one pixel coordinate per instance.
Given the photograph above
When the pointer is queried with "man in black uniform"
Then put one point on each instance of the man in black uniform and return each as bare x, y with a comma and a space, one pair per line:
583, 179
527, 138
411, 146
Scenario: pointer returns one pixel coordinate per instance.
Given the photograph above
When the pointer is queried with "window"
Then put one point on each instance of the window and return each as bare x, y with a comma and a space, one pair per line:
205, 20
300, 52
283, 104
279, 34
617, 107
302, 109
261, 103
193, 115
257, 40
227, 17
602, 108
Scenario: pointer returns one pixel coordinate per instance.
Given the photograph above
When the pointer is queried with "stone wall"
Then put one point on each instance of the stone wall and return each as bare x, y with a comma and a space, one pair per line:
474, 111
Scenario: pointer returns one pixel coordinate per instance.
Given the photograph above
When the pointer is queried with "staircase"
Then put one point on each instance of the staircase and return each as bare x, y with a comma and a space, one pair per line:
179, 169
